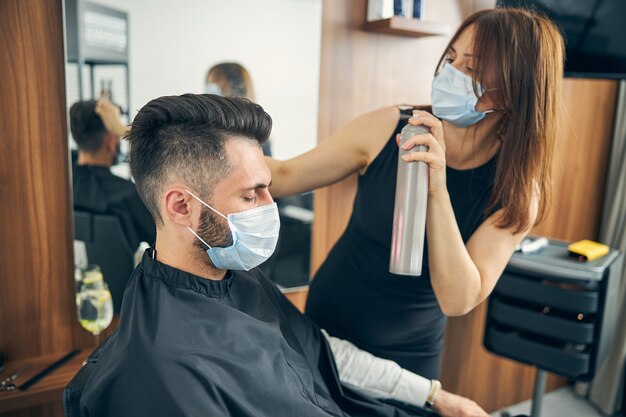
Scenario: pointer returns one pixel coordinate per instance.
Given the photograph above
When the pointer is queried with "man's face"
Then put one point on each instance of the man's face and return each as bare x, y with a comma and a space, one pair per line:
245, 188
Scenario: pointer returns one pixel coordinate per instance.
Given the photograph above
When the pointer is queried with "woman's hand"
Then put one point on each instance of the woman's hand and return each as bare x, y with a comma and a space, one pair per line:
435, 156
451, 405
111, 118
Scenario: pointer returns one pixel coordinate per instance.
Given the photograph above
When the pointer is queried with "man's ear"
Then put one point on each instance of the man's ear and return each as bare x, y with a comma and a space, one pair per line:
179, 206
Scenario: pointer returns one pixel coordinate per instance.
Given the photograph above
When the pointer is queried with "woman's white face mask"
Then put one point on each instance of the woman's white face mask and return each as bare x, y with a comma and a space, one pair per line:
213, 88
453, 97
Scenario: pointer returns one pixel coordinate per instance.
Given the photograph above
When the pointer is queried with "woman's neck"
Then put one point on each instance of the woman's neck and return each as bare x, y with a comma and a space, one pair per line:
470, 147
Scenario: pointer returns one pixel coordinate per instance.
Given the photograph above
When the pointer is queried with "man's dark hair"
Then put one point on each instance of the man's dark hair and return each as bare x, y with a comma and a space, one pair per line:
86, 126
185, 136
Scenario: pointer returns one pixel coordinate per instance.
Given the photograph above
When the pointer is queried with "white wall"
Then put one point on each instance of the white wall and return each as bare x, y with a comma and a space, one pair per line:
173, 44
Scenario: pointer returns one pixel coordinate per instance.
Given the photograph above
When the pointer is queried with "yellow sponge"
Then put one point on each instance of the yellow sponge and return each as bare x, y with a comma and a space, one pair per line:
587, 250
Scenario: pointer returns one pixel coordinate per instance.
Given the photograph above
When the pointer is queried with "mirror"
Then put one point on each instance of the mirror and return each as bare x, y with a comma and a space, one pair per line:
135, 50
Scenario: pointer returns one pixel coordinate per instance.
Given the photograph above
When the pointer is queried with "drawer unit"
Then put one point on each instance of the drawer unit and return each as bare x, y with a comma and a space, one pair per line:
554, 312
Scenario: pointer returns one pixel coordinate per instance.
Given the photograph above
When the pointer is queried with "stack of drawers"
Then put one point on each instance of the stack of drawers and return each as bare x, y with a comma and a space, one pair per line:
554, 312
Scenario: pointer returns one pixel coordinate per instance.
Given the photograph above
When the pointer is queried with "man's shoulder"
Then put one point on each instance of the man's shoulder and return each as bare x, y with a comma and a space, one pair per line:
121, 190
109, 183
257, 277
121, 183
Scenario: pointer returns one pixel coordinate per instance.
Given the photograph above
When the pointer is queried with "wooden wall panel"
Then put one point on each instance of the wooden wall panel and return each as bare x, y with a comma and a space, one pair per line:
37, 313
580, 161
362, 71
35, 244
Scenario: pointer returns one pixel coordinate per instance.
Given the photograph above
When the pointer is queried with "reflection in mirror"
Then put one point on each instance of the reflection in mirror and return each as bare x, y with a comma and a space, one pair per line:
131, 51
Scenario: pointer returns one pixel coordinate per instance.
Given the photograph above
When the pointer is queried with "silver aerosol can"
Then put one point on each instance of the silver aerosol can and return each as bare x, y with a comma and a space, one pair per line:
409, 213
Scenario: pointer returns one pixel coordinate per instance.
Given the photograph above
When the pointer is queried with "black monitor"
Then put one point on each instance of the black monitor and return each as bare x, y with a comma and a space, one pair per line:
594, 31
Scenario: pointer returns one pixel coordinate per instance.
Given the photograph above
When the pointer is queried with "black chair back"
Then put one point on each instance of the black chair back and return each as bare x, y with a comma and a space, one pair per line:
108, 247
74, 390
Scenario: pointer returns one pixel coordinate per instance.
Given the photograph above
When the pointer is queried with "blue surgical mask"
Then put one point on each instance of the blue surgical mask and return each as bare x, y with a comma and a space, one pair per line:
454, 99
212, 88
255, 234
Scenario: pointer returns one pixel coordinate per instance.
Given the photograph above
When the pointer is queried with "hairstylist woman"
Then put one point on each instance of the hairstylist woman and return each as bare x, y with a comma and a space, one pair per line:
495, 102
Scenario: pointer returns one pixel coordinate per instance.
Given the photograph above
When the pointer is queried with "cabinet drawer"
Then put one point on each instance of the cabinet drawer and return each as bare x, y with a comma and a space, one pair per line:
551, 357
535, 321
534, 291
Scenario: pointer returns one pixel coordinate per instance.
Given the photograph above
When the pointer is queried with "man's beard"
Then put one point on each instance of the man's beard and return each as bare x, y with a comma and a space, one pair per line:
214, 230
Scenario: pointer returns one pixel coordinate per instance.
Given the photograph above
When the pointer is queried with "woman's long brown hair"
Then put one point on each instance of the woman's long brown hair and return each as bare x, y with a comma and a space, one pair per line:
522, 55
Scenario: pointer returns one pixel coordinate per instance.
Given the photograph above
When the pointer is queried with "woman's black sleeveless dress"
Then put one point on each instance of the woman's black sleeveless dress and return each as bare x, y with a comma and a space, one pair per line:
355, 297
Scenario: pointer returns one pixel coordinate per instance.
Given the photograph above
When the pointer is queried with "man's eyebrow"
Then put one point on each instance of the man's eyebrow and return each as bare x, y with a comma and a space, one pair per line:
259, 185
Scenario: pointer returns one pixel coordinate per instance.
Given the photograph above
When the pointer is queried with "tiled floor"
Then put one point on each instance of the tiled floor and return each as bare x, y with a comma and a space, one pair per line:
560, 403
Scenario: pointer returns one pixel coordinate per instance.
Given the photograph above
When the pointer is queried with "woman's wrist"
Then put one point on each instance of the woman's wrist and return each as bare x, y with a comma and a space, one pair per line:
439, 195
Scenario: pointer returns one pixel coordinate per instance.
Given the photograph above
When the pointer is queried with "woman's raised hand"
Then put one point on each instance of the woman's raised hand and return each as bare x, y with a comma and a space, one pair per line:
111, 117
435, 156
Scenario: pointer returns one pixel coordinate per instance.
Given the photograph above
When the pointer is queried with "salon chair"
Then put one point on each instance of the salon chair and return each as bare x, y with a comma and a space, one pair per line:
108, 247
74, 390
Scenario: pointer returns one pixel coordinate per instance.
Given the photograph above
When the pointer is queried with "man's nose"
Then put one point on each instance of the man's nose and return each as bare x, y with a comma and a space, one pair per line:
264, 197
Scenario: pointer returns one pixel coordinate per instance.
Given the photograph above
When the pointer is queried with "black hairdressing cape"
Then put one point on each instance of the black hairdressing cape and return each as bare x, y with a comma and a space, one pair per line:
188, 346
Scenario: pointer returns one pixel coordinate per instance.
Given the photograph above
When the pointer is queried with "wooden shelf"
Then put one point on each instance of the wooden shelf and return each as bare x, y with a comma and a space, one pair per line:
403, 26
49, 389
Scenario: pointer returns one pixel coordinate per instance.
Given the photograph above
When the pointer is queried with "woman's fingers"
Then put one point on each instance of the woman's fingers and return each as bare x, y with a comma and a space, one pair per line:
424, 118
430, 158
423, 139
421, 117
433, 156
